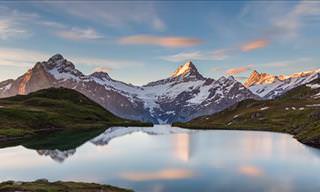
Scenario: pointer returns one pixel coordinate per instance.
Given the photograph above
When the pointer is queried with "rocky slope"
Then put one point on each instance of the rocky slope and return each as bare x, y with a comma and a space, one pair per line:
181, 97
296, 112
270, 86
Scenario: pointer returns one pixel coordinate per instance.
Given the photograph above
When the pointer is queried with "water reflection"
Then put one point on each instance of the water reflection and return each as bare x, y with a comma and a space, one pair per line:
113, 133
166, 159
57, 155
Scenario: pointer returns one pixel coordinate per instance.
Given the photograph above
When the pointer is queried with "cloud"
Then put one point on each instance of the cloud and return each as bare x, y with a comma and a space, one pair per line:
167, 174
13, 23
102, 69
301, 14
183, 56
112, 14
9, 28
27, 58
286, 63
238, 70
159, 41
250, 170
216, 55
79, 34
252, 45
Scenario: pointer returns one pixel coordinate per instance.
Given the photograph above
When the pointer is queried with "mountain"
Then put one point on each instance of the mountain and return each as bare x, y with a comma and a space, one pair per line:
296, 112
53, 109
270, 86
184, 95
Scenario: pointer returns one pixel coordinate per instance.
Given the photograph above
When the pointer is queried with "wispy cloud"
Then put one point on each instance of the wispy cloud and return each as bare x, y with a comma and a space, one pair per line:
159, 41
286, 63
216, 55
167, 174
238, 70
20, 57
219, 54
113, 14
27, 58
301, 14
9, 28
256, 44
13, 23
183, 56
80, 34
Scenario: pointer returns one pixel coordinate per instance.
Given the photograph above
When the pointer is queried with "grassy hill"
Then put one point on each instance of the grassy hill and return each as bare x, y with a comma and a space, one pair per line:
45, 186
53, 109
297, 112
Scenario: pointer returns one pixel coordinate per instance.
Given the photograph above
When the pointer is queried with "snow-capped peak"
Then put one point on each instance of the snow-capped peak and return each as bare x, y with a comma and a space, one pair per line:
100, 75
61, 68
187, 70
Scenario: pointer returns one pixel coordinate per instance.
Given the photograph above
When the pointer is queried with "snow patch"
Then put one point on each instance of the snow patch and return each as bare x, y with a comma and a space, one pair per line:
313, 105
313, 86
264, 108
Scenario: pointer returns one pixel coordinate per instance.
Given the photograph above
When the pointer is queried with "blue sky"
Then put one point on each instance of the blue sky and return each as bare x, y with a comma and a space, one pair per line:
138, 42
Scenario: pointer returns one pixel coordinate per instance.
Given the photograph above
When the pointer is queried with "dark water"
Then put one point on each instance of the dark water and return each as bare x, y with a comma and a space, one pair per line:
170, 159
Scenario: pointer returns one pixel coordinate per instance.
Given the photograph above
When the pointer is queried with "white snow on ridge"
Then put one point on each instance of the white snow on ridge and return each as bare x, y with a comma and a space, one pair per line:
63, 76
313, 86
201, 96
276, 88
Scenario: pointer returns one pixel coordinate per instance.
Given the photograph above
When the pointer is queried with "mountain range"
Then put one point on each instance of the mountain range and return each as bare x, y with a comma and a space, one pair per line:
183, 96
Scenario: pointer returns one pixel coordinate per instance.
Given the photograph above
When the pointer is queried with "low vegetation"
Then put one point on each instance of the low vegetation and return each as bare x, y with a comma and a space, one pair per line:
45, 186
297, 112
51, 110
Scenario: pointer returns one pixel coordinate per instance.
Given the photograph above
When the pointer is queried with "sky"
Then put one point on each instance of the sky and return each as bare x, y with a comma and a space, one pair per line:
138, 42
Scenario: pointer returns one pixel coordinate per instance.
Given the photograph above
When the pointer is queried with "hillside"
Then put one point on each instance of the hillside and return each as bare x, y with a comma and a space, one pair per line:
53, 109
296, 112
44, 185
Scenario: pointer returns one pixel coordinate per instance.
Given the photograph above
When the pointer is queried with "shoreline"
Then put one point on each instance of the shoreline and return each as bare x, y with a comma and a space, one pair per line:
191, 127
45, 185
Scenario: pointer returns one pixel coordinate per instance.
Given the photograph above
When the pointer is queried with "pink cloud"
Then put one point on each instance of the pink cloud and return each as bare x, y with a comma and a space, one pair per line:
160, 41
238, 70
252, 45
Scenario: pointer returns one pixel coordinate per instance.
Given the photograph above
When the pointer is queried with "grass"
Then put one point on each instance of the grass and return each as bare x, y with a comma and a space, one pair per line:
280, 116
54, 109
45, 186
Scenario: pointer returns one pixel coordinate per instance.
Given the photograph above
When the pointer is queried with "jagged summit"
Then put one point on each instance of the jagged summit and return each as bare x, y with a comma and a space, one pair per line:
270, 86
260, 78
187, 70
56, 57
257, 78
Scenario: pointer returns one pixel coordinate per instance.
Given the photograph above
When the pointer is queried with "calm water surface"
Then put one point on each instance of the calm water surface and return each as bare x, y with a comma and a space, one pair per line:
163, 159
